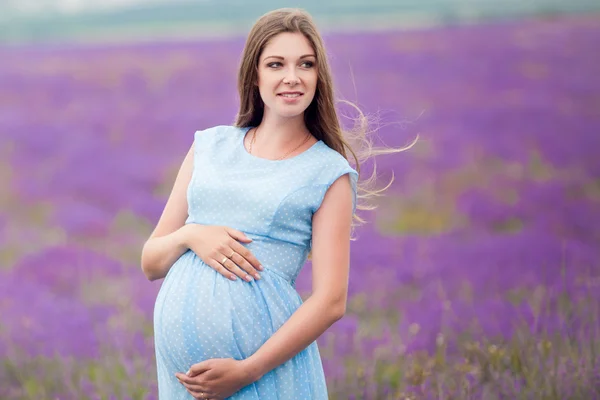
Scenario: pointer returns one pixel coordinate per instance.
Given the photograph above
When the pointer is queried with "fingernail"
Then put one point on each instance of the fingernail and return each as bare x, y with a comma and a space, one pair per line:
260, 268
257, 276
249, 278
188, 373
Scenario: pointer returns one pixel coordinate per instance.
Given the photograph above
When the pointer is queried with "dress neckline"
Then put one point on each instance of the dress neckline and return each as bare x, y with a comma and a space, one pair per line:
245, 130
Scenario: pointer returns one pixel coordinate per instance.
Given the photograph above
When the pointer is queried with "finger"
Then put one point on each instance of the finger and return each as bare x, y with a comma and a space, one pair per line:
199, 368
247, 254
193, 386
183, 378
237, 235
233, 267
217, 266
245, 265
197, 391
199, 395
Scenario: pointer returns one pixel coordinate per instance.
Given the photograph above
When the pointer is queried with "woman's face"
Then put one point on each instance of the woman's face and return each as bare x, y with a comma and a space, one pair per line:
287, 75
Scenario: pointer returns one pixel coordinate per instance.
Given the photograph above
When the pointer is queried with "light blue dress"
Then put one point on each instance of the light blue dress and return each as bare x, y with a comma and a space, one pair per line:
200, 314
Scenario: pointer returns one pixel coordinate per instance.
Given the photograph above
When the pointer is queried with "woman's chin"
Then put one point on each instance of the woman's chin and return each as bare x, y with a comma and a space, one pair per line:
290, 112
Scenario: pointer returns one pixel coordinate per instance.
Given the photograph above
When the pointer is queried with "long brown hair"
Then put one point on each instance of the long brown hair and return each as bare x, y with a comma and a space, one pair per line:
320, 117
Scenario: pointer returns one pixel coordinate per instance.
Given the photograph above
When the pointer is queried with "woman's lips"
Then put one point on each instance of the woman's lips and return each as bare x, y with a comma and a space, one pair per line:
290, 99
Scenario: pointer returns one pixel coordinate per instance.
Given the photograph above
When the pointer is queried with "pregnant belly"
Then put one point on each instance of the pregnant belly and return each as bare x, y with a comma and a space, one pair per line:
200, 314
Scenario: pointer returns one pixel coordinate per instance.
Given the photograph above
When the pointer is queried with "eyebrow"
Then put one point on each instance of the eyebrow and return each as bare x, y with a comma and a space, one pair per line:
282, 58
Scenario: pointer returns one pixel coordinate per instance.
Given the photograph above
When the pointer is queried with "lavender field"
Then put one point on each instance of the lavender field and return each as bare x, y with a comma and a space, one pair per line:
477, 277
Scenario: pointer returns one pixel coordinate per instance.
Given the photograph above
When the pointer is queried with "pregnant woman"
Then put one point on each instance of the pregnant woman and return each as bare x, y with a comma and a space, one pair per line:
250, 202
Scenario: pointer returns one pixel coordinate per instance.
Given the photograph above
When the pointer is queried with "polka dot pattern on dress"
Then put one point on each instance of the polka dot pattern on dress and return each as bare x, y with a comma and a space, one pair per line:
200, 314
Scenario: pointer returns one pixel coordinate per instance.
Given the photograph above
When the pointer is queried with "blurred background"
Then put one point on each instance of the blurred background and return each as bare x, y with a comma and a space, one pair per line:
117, 20
477, 275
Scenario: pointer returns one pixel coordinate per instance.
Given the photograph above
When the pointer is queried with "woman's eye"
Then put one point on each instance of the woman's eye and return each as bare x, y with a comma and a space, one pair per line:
306, 64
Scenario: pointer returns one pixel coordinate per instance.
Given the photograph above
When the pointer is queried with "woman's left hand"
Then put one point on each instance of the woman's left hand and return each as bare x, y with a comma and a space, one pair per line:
217, 378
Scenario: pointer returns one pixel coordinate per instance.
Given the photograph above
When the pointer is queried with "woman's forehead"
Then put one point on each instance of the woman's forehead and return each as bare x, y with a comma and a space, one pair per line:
288, 44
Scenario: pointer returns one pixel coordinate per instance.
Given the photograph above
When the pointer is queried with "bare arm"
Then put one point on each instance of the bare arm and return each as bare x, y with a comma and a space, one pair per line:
168, 241
327, 304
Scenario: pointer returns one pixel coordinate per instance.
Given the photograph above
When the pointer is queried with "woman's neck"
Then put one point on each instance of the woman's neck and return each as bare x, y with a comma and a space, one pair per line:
276, 134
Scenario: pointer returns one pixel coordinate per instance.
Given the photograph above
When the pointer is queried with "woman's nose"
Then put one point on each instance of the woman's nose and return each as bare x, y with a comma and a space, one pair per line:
291, 77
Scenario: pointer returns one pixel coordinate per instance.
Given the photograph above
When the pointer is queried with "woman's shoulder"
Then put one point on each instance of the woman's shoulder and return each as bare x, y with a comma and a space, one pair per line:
214, 138
216, 130
331, 164
329, 157
216, 135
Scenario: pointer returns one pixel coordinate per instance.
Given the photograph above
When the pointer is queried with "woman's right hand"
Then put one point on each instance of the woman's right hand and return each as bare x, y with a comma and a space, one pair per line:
216, 244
